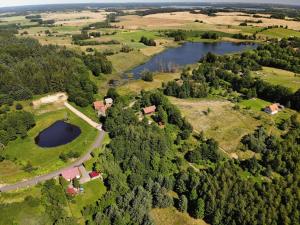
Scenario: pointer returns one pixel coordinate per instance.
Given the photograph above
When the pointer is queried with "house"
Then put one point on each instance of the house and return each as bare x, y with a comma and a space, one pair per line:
102, 111
72, 191
274, 108
108, 102
70, 174
149, 110
98, 105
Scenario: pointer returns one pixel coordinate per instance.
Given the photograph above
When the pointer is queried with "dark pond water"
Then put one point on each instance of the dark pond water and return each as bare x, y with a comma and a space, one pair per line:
59, 133
188, 53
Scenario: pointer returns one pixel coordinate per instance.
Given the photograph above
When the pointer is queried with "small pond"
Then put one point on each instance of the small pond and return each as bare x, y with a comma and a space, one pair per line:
59, 133
188, 53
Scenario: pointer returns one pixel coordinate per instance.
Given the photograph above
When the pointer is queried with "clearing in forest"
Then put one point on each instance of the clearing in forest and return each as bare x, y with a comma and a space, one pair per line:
218, 120
170, 216
279, 77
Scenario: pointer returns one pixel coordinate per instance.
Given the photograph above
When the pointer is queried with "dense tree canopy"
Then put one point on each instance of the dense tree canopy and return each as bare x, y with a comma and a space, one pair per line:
27, 69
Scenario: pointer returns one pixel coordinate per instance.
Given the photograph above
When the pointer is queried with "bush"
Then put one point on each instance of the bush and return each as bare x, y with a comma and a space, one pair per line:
147, 76
19, 106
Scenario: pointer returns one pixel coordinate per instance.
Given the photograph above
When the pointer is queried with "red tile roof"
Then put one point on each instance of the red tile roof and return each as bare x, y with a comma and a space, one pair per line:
71, 191
70, 174
98, 105
273, 107
94, 174
150, 109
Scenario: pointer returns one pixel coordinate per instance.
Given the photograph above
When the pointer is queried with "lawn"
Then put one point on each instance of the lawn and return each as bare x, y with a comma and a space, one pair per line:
255, 104
222, 123
93, 191
255, 107
23, 151
171, 216
279, 77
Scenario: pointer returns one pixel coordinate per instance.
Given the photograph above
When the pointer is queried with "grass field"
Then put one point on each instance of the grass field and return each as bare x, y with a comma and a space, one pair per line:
136, 86
125, 61
255, 104
170, 216
14, 210
280, 33
223, 123
279, 77
23, 151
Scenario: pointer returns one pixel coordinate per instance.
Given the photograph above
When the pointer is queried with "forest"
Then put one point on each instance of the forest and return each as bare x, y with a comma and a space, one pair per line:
28, 68
142, 169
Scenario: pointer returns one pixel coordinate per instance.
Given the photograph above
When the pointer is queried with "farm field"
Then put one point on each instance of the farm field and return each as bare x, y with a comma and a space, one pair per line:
279, 77
25, 151
75, 18
224, 18
227, 131
170, 216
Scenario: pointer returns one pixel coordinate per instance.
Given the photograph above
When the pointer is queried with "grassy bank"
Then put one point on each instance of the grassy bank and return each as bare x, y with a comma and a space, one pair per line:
44, 160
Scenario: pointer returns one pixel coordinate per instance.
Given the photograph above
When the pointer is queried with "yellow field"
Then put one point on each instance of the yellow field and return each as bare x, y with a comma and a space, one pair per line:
75, 18
170, 216
223, 18
223, 123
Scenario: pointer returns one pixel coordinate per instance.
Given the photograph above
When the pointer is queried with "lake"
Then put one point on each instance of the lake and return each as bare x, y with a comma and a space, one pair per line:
59, 133
188, 53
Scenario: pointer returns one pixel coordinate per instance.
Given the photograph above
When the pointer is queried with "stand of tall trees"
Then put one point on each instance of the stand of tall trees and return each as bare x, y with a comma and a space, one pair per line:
28, 68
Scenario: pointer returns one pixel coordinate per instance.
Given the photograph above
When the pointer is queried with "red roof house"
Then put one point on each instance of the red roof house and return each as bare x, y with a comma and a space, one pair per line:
71, 174
94, 174
71, 191
98, 105
272, 109
149, 110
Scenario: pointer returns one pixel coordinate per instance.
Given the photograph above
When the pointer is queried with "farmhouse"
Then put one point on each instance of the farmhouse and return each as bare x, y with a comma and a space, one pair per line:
98, 105
274, 108
149, 110
71, 174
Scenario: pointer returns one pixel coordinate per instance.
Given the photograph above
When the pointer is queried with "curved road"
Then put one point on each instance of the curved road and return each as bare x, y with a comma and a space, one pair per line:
97, 143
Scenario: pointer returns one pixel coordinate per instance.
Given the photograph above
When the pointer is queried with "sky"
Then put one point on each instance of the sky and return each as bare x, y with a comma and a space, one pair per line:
4, 3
